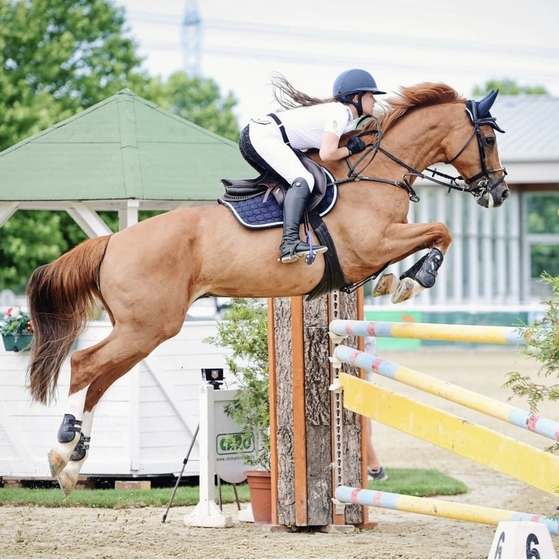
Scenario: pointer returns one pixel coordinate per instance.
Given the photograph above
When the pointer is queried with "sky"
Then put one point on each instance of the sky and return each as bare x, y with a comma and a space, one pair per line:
400, 42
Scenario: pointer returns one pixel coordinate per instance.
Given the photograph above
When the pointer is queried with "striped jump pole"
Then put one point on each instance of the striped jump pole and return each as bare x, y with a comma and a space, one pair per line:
438, 508
459, 395
429, 331
467, 439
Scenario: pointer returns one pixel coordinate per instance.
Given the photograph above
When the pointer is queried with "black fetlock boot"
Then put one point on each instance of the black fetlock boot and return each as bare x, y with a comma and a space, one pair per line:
292, 248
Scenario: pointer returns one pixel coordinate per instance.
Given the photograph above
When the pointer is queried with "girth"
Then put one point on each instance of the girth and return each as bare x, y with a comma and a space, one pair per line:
333, 277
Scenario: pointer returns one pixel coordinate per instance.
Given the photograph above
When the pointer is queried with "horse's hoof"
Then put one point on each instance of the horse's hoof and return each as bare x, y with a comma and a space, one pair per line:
404, 290
56, 463
66, 483
385, 285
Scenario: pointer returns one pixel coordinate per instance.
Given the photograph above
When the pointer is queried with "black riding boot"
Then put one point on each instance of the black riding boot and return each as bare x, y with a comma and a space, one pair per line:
292, 248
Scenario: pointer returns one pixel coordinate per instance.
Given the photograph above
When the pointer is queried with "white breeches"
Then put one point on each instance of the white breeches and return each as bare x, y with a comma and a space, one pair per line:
267, 140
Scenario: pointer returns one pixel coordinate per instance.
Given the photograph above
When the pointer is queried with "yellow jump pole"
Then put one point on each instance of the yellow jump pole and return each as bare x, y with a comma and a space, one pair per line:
487, 447
429, 331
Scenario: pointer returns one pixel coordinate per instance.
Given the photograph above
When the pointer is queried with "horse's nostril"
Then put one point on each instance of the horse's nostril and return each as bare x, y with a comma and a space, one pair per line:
506, 194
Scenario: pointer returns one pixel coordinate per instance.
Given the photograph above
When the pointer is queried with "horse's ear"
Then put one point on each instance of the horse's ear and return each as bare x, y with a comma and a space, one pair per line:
484, 106
478, 111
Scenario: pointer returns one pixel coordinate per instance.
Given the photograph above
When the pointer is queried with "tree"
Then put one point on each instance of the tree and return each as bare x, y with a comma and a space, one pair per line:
23, 246
197, 100
508, 87
57, 58
542, 344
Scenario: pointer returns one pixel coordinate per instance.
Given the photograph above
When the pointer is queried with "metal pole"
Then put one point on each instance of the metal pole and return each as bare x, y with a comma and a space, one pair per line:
185, 460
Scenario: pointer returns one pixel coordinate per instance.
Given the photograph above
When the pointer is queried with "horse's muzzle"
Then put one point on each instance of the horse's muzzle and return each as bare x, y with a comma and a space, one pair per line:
491, 195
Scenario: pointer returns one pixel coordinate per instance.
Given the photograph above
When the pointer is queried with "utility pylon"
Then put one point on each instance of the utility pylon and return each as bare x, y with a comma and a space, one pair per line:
192, 38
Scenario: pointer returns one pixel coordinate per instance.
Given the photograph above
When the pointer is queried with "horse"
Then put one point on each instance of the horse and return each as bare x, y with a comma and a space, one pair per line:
147, 275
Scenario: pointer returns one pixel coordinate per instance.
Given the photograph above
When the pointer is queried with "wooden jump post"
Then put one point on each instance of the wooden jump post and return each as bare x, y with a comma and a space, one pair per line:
435, 426
316, 443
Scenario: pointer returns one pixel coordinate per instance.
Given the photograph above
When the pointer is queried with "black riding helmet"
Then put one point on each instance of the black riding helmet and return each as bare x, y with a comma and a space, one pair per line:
354, 81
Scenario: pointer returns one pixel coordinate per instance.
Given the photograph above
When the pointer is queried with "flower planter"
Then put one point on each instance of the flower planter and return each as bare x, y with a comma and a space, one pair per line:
260, 487
17, 342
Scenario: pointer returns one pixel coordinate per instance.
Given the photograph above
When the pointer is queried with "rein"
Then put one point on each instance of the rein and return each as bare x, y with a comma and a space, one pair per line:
449, 181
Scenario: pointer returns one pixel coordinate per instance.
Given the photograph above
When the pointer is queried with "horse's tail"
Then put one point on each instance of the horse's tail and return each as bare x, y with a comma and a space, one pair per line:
62, 297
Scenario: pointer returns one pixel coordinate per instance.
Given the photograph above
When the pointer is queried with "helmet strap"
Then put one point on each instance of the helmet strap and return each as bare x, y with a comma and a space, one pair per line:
357, 104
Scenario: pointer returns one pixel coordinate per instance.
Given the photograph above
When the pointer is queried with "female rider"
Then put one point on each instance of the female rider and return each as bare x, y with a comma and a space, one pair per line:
306, 122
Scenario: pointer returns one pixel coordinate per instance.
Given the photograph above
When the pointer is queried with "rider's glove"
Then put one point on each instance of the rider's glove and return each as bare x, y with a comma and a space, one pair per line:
355, 145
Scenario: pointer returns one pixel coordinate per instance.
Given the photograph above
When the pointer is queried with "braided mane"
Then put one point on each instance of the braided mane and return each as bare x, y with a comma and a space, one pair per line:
414, 97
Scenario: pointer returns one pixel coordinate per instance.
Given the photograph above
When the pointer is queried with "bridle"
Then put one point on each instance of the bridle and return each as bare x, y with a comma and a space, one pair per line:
477, 122
452, 183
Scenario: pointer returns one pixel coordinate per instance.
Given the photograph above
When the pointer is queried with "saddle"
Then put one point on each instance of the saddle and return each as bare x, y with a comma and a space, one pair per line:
271, 183
250, 202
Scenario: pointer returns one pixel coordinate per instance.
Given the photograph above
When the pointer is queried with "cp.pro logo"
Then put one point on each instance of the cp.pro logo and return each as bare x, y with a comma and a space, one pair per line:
234, 443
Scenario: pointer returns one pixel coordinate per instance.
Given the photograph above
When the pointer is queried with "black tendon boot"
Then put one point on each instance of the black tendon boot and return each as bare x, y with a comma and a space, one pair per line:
292, 248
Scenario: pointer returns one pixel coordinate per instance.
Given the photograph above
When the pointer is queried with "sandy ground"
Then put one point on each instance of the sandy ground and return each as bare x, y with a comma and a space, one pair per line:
138, 533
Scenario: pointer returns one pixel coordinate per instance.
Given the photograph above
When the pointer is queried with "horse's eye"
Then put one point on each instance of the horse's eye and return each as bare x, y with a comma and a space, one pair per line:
489, 141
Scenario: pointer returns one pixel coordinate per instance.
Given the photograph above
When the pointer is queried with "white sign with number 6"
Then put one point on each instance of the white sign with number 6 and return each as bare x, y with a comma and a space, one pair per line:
522, 539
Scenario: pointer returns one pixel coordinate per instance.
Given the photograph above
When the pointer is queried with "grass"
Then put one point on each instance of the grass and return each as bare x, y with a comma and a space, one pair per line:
413, 482
419, 482
156, 497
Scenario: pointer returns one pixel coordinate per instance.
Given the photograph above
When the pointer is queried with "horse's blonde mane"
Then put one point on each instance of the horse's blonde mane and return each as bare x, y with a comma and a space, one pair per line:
413, 97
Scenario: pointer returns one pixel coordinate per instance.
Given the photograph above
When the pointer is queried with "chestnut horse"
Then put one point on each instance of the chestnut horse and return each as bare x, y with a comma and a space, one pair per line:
148, 275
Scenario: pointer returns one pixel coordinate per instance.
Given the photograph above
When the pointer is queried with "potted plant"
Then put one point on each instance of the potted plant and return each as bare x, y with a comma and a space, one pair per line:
17, 330
244, 329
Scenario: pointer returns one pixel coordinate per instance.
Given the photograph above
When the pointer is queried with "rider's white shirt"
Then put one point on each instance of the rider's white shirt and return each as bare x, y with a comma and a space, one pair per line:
305, 126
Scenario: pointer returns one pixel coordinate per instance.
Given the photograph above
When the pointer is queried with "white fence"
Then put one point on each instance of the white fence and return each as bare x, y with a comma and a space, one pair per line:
144, 423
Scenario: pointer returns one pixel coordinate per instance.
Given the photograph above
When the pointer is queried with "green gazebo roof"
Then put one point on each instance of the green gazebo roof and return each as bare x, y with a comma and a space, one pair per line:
122, 148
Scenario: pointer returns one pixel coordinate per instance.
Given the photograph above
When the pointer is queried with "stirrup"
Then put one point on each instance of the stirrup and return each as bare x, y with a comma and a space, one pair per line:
300, 250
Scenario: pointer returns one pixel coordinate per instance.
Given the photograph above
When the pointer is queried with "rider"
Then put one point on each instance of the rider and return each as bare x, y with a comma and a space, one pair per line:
307, 122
